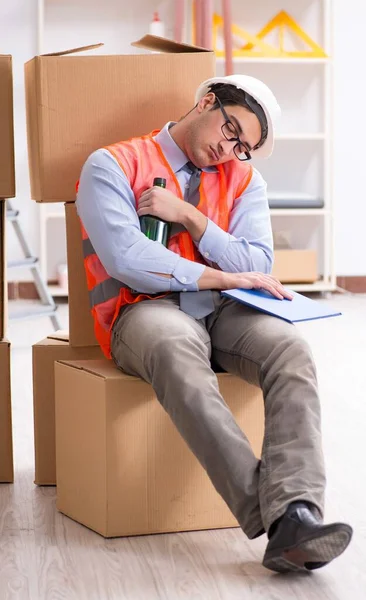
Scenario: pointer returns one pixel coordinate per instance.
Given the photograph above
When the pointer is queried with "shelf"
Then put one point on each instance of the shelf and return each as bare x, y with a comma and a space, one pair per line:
300, 137
275, 60
55, 215
58, 291
317, 286
308, 212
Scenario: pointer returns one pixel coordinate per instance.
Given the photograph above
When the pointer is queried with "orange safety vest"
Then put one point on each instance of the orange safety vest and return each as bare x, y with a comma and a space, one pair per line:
141, 159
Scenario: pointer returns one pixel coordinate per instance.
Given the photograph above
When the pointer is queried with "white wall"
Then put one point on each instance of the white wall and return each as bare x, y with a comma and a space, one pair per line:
18, 36
349, 136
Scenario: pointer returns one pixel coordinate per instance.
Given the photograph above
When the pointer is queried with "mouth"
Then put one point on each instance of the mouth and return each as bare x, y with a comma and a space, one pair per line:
214, 154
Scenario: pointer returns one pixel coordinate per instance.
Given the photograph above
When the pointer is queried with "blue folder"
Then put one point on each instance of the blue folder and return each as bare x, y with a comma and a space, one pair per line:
300, 308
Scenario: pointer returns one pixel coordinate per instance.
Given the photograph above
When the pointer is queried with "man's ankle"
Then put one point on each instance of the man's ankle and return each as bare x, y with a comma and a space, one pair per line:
291, 507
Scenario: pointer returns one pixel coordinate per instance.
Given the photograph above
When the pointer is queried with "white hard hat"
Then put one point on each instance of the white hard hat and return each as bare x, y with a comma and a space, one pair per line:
261, 93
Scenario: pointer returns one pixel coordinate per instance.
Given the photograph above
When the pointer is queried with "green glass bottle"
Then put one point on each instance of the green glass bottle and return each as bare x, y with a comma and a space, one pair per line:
154, 228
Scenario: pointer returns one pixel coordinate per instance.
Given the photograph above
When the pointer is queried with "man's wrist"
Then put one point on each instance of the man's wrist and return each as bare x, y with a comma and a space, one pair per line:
212, 279
226, 280
194, 221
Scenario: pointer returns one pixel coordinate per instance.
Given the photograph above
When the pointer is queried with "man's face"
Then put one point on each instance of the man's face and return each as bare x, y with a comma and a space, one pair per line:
205, 143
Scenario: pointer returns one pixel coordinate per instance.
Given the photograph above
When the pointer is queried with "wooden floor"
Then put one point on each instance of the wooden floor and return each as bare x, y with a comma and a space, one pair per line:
46, 556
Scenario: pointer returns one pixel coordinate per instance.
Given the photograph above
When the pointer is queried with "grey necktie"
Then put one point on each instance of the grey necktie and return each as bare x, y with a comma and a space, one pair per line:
197, 304
191, 193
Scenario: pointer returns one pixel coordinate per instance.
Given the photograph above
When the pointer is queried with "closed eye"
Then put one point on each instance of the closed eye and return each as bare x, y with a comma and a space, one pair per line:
231, 130
247, 146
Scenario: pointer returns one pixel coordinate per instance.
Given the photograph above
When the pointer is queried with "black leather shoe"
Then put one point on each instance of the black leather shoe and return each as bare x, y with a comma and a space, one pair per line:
301, 542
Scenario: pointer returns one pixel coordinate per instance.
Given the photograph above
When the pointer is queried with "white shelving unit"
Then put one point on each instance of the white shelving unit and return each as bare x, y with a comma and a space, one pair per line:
48, 215
275, 60
301, 166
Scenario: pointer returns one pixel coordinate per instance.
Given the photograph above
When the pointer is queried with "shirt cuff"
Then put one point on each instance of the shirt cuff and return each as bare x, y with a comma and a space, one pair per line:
214, 242
185, 276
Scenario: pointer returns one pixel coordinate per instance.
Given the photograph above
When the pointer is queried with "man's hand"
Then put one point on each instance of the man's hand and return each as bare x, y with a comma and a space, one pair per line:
257, 281
161, 203
213, 279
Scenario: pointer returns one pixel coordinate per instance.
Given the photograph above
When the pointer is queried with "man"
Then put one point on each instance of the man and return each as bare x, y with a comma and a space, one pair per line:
159, 314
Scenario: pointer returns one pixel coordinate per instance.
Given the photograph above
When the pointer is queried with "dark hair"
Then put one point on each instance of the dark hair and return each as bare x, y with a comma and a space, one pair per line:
231, 95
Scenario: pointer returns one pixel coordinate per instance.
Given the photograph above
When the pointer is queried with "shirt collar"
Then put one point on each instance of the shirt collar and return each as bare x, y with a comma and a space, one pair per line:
174, 155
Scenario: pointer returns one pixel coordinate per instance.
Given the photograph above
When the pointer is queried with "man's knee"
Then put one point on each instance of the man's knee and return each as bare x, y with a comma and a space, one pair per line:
288, 352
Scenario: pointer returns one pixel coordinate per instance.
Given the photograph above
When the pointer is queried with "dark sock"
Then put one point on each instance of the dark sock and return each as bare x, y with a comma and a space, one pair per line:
291, 507
273, 527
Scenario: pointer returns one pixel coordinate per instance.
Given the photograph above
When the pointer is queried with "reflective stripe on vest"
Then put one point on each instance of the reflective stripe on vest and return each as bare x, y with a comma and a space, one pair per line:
105, 291
88, 249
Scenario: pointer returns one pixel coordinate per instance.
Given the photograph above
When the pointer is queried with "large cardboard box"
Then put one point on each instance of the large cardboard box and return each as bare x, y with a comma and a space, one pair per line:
81, 323
7, 171
122, 467
3, 282
295, 266
45, 354
76, 104
6, 440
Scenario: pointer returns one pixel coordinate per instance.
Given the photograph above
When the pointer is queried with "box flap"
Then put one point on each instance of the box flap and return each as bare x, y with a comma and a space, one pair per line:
61, 334
74, 50
147, 42
103, 368
156, 43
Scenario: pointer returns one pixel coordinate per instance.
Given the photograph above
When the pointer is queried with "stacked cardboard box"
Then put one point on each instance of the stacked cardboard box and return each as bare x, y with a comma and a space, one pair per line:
45, 353
114, 471
7, 190
122, 467
7, 177
6, 444
295, 266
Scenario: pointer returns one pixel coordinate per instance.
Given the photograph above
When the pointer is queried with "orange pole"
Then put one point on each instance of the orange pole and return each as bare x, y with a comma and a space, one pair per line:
193, 32
228, 37
207, 16
198, 29
179, 20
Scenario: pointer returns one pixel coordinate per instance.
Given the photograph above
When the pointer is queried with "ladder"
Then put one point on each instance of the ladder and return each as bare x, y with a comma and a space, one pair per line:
48, 308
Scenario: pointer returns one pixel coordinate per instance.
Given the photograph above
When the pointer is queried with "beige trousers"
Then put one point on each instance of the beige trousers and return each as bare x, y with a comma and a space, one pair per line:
172, 351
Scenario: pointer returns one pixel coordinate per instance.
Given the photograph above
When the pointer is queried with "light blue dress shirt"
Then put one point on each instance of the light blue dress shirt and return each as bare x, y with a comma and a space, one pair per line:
107, 208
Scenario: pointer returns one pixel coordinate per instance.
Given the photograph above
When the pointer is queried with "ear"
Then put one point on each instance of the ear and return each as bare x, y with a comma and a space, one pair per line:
207, 102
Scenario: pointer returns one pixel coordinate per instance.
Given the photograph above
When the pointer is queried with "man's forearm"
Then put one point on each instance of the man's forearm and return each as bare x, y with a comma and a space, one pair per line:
195, 222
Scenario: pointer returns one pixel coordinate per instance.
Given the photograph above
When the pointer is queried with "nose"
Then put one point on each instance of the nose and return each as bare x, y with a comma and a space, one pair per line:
226, 147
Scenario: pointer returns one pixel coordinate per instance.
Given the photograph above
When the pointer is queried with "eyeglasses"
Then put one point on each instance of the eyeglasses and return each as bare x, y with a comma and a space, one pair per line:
230, 133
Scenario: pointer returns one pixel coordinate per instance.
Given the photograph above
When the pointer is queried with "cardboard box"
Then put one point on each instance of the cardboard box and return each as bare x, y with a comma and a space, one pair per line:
113, 98
122, 467
81, 323
6, 440
45, 354
7, 171
295, 266
3, 282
